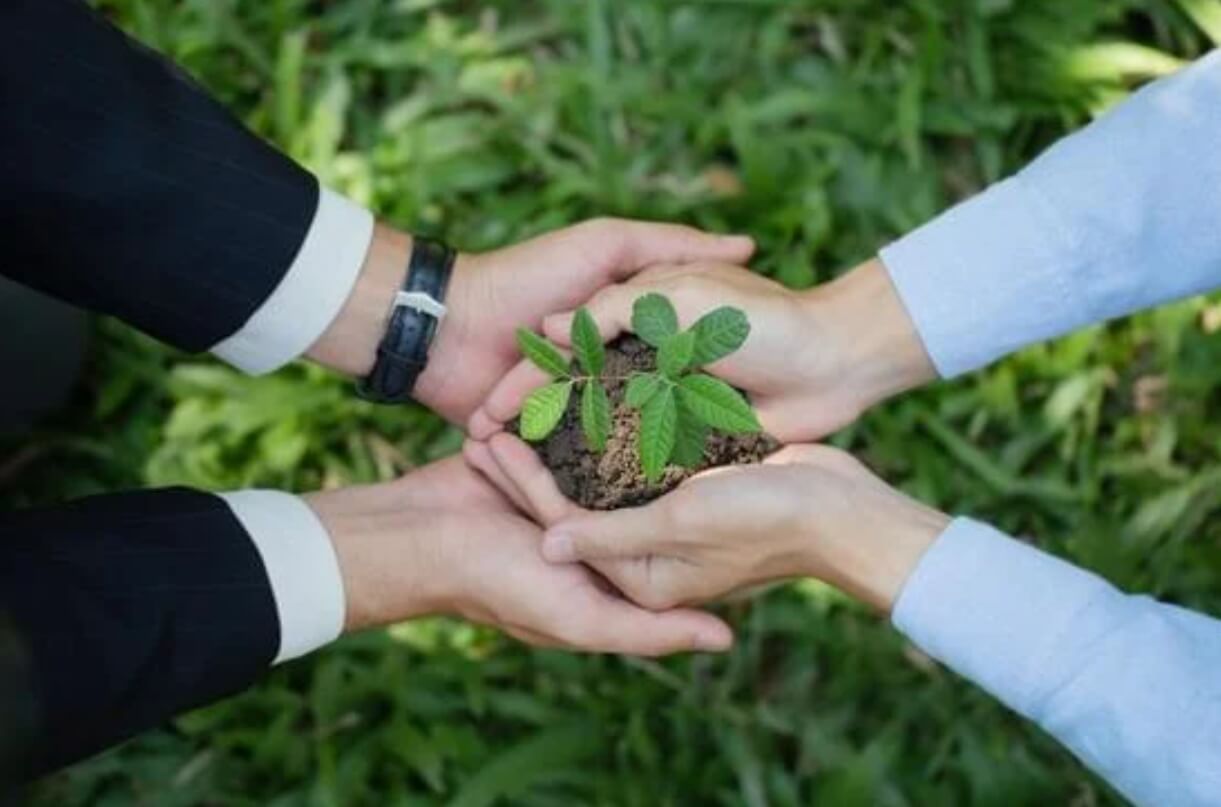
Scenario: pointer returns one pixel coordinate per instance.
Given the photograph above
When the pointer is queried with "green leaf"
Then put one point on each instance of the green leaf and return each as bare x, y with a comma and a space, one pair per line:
640, 388
595, 415
719, 333
717, 404
543, 409
654, 319
690, 439
587, 342
546, 356
658, 431
675, 354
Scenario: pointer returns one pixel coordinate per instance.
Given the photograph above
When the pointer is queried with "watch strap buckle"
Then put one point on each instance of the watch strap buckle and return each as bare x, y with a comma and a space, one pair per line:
422, 302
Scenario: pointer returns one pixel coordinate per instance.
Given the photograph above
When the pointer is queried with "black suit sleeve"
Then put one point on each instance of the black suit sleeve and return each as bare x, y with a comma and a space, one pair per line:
125, 189
125, 610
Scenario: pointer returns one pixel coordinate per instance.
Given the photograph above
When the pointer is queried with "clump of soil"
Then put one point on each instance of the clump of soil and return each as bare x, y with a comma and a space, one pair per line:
614, 478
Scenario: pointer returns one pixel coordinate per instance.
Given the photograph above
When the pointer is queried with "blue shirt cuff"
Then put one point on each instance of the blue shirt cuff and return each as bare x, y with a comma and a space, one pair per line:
994, 609
985, 278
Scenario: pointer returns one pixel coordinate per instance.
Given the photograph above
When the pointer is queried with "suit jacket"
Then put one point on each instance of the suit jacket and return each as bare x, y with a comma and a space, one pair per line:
127, 190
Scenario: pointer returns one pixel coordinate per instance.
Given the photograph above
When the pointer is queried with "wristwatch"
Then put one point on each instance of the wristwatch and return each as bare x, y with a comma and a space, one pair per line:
415, 315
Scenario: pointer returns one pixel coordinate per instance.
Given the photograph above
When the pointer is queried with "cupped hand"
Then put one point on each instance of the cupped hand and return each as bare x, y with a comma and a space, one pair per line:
808, 510
494, 293
442, 540
813, 360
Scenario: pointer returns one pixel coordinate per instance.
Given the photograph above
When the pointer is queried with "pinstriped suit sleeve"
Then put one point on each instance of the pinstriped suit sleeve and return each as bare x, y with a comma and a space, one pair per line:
127, 190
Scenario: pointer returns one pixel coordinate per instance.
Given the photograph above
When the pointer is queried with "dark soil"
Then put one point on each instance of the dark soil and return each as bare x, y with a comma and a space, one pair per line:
613, 478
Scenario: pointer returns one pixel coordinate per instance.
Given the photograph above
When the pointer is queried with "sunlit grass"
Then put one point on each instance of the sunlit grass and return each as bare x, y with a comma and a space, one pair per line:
822, 128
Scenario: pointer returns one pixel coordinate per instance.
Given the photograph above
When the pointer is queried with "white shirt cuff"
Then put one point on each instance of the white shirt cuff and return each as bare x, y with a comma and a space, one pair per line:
310, 294
301, 566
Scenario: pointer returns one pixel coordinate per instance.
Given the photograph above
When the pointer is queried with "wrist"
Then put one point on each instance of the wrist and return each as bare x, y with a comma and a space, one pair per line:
880, 351
882, 548
435, 386
349, 344
388, 561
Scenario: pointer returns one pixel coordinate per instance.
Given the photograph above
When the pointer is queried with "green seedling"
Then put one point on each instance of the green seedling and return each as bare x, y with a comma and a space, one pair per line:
679, 405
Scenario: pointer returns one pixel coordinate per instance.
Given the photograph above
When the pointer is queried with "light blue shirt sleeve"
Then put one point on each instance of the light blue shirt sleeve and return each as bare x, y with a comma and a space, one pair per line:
1130, 685
1123, 215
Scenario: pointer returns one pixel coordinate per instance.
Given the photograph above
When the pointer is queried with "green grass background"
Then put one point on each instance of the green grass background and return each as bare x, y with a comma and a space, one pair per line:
822, 127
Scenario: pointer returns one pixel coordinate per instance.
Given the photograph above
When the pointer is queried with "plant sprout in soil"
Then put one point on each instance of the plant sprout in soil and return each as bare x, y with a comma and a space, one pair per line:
679, 405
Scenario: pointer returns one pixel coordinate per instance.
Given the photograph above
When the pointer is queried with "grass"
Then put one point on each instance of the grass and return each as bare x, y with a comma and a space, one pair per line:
824, 129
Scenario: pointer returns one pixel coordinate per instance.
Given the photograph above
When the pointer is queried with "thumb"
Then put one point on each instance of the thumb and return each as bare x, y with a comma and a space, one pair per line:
611, 309
630, 532
646, 243
626, 628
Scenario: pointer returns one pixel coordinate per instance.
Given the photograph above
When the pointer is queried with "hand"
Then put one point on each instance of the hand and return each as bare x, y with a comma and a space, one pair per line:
492, 294
808, 510
441, 540
813, 361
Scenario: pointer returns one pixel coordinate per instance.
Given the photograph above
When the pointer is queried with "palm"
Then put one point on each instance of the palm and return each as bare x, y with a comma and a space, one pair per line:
495, 293
532, 600
505, 582
792, 405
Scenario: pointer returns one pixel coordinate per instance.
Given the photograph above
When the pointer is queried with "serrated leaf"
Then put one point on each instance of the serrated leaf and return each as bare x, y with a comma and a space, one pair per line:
719, 333
717, 404
674, 355
658, 430
543, 353
587, 342
654, 319
595, 415
689, 440
640, 388
543, 409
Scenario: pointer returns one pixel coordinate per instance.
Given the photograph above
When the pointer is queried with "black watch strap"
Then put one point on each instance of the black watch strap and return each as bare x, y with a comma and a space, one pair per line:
414, 318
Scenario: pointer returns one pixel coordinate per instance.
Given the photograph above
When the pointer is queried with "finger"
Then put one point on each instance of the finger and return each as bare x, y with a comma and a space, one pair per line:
481, 425
530, 637
479, 457
616, 626
611, 309
626, 533
640, 244
505, 400
638, 580
790, 454
673, 272
813, 454
523, 468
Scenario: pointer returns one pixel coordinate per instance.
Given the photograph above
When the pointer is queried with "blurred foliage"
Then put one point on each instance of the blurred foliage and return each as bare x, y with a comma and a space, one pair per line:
822, 127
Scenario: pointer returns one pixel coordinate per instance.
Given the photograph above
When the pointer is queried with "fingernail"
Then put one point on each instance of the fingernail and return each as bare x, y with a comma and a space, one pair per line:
560, 321
559, 548
712, 641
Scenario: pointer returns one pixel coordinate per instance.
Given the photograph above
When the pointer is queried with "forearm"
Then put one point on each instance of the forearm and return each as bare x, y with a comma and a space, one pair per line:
1117, 217
131, 608
1130, 685
862, 315
387, 564
350, 341
131, 192
178, 598
1127, 683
